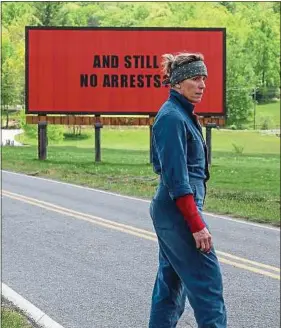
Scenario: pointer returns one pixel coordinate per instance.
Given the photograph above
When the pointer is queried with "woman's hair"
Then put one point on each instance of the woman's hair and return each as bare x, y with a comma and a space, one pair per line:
171, 61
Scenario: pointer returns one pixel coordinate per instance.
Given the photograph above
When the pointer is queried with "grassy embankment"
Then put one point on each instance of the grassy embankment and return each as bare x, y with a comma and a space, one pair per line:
13, 319
245, 168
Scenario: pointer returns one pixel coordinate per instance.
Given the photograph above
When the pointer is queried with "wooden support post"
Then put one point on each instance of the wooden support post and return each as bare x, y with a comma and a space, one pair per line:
98, 126
42, 140
209, 127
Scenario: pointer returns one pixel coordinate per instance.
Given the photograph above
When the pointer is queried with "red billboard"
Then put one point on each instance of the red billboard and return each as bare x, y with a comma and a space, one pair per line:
73, 70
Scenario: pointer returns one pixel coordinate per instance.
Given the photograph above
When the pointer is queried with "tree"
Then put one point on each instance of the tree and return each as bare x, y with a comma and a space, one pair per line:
263, 46
12, 75
253, 38
73, 14
12, 11
47, 12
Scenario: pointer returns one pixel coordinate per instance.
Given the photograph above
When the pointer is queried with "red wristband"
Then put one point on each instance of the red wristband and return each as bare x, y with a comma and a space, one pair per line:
188, 208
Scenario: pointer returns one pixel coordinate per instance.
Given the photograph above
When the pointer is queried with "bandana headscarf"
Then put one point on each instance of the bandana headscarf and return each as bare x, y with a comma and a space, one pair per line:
187, 71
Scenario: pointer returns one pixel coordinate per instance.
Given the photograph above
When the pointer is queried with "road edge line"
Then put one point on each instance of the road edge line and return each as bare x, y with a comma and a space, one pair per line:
217, 216
41, 318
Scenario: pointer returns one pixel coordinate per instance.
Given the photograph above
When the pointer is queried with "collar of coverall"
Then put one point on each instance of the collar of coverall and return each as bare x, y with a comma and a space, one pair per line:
188, 106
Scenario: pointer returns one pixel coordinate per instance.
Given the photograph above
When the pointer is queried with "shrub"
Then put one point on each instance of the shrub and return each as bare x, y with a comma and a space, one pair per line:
267, 94
54, 132
266, 123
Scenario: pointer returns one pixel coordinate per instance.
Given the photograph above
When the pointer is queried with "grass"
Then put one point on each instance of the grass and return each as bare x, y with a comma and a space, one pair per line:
252, 142
13, 319
244, 181
117, 138
268, 115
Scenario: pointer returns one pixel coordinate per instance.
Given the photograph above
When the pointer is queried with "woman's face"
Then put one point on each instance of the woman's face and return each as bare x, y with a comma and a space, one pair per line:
193, 88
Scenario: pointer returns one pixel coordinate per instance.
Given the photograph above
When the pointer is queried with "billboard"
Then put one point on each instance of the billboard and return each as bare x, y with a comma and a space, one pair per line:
74, 70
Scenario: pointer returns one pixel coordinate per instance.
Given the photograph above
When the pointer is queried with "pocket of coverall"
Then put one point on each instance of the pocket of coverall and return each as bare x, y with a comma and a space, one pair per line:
163, 214
195, 150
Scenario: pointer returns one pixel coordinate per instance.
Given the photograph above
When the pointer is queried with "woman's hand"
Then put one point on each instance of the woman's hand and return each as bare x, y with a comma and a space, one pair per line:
203, 240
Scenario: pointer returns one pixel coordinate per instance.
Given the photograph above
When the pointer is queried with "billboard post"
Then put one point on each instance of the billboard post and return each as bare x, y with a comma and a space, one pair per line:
209, 127
98, 127
42, 140
150, 140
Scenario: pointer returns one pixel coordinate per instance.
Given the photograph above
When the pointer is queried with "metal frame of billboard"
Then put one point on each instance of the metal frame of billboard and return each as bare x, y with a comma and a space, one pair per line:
28, 28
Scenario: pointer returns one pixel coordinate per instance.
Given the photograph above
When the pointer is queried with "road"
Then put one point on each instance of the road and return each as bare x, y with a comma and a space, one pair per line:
88, 258
8, 136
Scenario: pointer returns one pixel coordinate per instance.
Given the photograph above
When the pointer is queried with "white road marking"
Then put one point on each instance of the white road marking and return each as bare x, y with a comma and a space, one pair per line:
144, 200
41, 318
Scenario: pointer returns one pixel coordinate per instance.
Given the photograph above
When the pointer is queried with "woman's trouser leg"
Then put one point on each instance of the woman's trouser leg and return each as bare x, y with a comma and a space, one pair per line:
199, 272
168, 297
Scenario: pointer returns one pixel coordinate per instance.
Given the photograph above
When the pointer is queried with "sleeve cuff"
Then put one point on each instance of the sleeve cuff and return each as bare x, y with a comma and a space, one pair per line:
180, 191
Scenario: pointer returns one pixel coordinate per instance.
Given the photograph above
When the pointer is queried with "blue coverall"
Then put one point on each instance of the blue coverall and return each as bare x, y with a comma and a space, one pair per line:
180, 158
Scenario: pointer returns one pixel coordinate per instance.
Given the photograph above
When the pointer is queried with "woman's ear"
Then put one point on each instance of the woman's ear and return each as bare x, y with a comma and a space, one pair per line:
177, 86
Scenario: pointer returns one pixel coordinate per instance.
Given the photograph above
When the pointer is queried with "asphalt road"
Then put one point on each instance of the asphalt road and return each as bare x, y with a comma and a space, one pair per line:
88, 259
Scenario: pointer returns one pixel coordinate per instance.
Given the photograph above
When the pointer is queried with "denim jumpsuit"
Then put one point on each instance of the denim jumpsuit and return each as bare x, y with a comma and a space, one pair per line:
180, 159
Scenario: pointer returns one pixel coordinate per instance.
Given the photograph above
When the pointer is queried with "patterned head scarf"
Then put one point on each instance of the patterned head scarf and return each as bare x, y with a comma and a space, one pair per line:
187, 71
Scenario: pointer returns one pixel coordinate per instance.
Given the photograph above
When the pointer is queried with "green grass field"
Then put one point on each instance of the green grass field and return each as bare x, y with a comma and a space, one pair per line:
245, 171
138, 139
269, 113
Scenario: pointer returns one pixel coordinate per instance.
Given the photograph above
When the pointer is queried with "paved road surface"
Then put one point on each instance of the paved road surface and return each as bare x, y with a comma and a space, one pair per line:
77, 254
8, 136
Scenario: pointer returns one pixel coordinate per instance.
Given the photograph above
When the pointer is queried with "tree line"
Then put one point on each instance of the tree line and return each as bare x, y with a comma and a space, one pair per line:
253, 40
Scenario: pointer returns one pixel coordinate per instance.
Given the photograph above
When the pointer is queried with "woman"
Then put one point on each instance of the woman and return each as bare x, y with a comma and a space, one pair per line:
188, 266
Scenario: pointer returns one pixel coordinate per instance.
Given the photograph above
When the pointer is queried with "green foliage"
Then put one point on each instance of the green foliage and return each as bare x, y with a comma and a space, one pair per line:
229, 5
267, 94
55, 133
239, 107
253, 40
266, 123
47, 12
31, 131
13, 11
264, 43
22, 118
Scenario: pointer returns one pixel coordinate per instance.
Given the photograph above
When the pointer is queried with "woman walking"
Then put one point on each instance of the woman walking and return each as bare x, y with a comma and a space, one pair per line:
188, 266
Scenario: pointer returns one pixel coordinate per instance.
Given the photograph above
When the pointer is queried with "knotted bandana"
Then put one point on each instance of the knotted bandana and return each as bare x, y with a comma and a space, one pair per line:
187, 71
